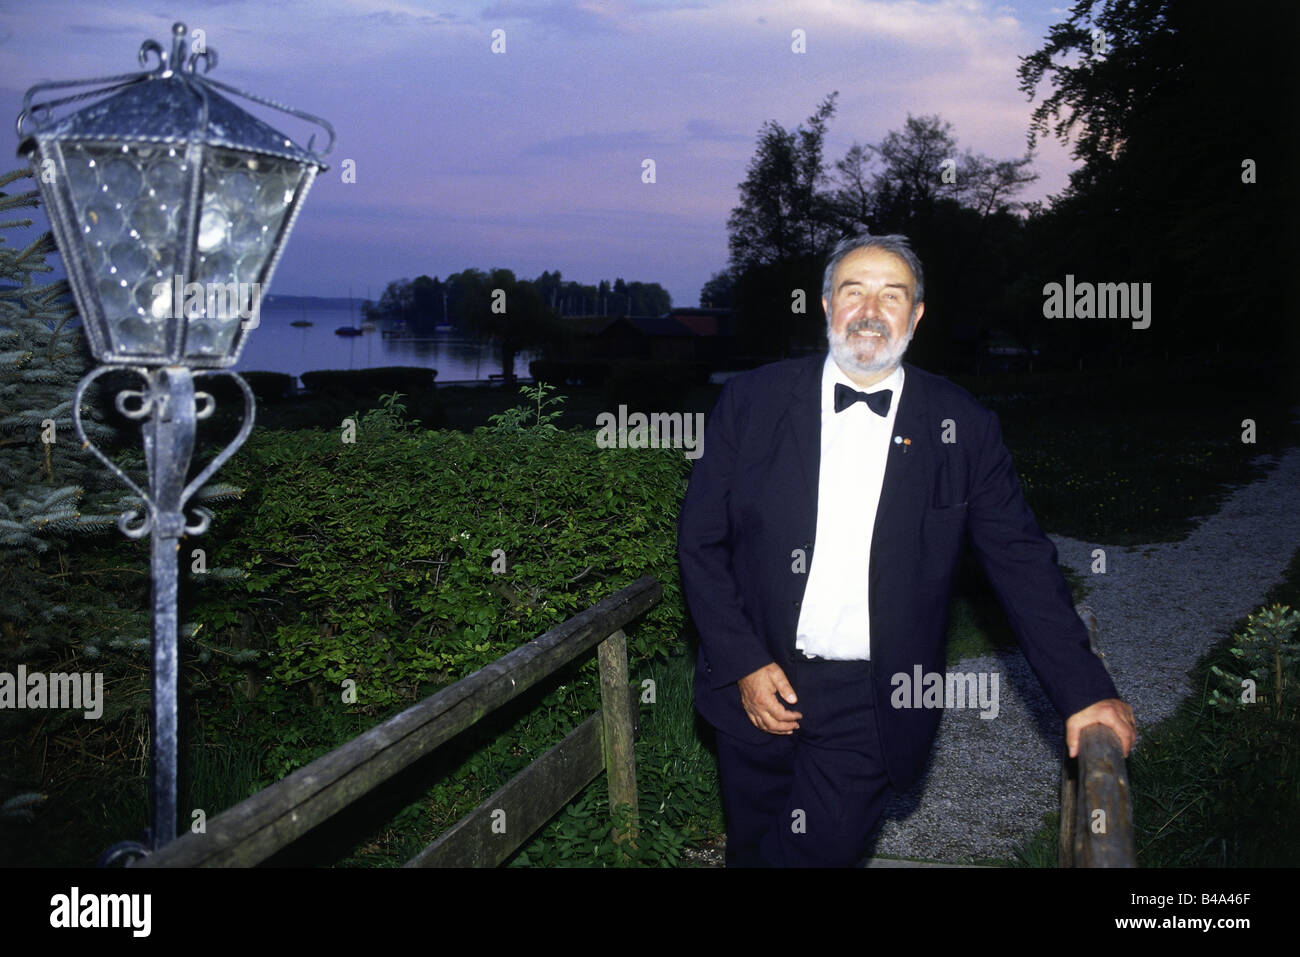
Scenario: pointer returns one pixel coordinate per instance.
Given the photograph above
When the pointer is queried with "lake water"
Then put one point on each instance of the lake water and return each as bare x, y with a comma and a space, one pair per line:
276, 346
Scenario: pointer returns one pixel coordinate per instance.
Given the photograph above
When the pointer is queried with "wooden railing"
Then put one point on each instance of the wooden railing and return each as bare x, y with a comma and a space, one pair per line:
270, 820
1096, 806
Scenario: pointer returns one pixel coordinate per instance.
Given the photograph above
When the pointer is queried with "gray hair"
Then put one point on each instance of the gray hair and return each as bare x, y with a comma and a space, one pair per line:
895, 243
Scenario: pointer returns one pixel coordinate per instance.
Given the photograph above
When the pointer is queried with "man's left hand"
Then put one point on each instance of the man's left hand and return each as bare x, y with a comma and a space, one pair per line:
1113, 713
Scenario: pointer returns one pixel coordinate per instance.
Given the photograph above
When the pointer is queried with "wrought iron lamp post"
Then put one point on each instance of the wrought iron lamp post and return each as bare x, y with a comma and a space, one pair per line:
171, 206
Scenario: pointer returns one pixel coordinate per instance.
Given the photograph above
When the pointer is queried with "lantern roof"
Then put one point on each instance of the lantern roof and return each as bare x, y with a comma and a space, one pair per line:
173, 103
169, 110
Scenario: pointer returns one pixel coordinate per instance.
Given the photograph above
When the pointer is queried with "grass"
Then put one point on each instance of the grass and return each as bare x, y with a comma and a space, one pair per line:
1132, 457
676, 781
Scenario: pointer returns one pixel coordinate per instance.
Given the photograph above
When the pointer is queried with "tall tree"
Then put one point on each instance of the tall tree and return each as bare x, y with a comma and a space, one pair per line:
426, 300
396, 302
854, 198
510, 310
912, 164
548, 286
720, 291
884, 187
1177, 114
782, 213
649, 299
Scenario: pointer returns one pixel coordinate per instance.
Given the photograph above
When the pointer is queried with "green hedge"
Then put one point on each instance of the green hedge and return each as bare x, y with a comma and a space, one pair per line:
408, 380
373, 561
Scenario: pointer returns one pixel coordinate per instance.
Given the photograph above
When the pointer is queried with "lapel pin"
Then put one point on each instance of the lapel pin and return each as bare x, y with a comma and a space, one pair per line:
899, 440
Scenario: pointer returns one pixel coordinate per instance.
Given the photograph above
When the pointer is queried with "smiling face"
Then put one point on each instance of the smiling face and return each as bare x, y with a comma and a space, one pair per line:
871, 316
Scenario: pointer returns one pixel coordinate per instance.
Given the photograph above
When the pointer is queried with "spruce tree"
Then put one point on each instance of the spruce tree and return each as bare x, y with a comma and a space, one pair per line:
52, 492
51, 489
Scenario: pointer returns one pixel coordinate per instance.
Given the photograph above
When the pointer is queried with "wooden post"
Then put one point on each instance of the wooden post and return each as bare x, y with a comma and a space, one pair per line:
1096, 806
619, 740
1069, 795
1103, 830
1065, 846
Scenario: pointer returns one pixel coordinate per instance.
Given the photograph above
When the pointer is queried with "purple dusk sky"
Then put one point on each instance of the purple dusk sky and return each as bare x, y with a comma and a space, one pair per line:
531, 159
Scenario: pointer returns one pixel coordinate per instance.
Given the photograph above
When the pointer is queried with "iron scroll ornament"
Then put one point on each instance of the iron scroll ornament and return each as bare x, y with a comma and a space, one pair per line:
168, 398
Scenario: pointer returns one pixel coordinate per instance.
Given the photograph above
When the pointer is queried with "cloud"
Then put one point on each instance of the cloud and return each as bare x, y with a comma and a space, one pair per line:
585, 16
405, 19
105, 29
588, 144
698, 128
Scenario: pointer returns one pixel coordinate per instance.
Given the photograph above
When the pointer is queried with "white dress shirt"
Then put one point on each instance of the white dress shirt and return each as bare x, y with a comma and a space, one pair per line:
835, 618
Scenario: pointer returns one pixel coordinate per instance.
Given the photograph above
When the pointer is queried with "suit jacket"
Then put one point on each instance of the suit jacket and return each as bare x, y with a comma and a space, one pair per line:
752, 502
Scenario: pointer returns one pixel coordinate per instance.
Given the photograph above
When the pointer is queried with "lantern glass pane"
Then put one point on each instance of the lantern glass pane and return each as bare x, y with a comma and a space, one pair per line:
245, 199
127, 199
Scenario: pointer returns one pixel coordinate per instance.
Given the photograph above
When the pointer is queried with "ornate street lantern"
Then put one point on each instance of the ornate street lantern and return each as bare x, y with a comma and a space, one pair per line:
170, 206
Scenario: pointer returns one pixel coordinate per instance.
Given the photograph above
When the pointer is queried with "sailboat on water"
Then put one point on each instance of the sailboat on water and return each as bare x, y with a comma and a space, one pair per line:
354, 330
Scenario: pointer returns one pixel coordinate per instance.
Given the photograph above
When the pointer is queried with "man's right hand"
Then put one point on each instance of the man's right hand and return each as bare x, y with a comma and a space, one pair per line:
764, 694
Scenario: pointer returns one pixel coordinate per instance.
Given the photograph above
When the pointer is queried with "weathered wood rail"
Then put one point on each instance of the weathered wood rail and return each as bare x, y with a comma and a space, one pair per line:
1096, 806
253, 830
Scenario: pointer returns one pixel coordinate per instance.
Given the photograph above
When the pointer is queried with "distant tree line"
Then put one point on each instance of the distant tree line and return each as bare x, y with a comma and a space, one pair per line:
618, 298
426, 302
518, 313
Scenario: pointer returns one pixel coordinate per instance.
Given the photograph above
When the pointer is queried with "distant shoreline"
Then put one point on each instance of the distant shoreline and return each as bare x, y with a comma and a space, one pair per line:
332, 303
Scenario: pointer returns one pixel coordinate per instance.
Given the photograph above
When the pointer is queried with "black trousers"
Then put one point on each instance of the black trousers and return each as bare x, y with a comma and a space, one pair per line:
812, 798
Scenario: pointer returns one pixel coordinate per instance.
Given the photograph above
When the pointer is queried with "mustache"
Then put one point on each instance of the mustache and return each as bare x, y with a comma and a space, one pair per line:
868, 325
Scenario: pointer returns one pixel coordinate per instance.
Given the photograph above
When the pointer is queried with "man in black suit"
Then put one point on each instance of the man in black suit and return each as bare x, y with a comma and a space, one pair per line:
888, 470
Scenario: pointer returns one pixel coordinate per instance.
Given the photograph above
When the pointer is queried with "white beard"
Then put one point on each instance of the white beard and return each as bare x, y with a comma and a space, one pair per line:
868, 356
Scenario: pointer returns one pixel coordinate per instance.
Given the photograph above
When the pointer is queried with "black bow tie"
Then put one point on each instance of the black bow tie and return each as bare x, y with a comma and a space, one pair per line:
877, 402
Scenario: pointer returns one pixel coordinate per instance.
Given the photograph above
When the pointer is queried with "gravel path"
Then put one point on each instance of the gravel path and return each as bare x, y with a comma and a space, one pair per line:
1159, 608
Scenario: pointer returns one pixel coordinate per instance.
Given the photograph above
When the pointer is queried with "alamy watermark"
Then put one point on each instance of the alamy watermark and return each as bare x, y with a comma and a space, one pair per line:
82, 691
75, 909
658, 430
952, 690
1102, 300
208, 300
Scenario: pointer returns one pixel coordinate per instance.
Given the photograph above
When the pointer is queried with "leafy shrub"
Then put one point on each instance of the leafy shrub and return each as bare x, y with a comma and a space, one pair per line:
537, 415
406, 560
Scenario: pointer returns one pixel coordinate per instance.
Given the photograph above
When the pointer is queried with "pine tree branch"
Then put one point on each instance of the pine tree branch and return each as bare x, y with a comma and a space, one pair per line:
18, 200
15, 174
